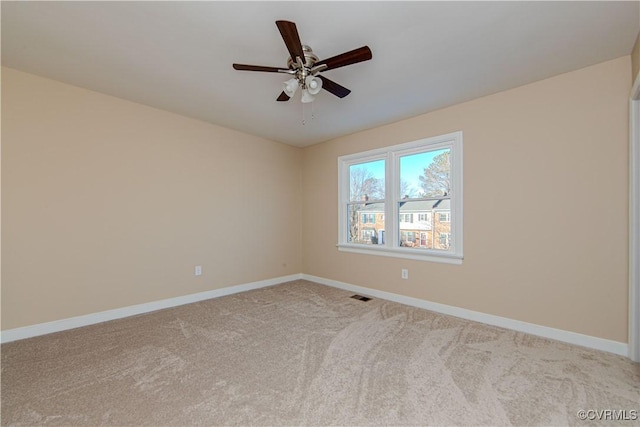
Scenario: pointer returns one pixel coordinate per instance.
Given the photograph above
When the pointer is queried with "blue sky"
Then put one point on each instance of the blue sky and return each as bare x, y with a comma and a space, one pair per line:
411, 167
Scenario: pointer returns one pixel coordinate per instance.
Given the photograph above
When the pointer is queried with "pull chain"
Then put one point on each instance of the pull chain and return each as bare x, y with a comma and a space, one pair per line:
304, 118
304, 122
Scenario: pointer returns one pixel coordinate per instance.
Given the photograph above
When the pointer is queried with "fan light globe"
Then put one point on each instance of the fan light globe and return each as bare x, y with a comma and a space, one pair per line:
307, 97
313, 84
290, 87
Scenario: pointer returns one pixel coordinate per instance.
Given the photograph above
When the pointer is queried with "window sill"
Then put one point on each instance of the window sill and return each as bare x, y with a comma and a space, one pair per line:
406, 253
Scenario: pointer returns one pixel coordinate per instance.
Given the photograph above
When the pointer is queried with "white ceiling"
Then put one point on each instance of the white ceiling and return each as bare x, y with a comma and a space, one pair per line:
177, 56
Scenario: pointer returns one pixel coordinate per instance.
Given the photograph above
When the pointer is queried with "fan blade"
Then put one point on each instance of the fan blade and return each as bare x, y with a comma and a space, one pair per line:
334, 88
244, 67
289, 34
352, 57
283, 97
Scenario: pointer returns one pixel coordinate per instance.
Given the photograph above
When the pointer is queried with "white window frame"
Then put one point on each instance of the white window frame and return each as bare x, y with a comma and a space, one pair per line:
392, 156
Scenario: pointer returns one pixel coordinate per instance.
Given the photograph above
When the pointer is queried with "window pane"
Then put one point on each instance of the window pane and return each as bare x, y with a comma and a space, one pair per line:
366, 223
420, 224
366, 181
425, 174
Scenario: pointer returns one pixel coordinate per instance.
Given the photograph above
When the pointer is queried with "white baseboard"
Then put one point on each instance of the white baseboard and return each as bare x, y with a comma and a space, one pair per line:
588, 341
503, 322
119, 313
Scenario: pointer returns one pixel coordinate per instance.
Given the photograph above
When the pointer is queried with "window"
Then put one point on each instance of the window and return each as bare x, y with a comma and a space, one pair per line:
407, 238
367, 234
368, 218
397, 192
406, 217
365, 194
424, 217
444, 239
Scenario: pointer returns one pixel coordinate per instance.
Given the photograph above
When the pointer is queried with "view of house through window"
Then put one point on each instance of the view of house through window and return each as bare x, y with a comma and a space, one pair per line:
425, 184
366, 202
424, 210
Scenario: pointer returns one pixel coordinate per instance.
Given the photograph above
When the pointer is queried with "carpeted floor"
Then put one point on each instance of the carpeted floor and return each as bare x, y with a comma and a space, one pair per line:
301, 353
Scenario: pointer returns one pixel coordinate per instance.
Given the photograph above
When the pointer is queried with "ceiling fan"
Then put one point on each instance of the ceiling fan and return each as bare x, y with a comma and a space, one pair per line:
304, 66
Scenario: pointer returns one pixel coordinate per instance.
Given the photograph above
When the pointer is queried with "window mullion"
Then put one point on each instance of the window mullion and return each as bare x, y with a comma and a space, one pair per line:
342, 205
392, 200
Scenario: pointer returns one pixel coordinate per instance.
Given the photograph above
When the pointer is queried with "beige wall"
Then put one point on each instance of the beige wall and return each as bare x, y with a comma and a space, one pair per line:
635, 59
108, 203
545, 199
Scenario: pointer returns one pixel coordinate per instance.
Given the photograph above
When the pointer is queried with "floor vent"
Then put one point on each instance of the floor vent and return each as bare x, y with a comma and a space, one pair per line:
360, 297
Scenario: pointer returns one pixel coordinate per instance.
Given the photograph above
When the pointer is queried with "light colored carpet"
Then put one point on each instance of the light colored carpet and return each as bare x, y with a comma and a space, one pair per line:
301, 353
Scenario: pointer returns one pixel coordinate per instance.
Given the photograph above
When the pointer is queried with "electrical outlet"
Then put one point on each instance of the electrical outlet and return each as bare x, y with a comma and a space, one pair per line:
198, 270
405, 273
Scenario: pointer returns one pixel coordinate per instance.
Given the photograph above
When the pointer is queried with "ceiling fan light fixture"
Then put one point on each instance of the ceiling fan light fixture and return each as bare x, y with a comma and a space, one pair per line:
290, 87
313, 84
307, 97
303, 65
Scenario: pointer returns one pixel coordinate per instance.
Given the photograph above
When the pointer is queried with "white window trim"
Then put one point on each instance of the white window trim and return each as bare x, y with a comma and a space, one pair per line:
392, 155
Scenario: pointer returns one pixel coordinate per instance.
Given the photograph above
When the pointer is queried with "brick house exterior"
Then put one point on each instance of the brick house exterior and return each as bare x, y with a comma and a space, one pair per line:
423, 224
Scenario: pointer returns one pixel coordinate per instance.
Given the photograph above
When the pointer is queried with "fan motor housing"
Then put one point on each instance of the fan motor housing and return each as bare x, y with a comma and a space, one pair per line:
310, 58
